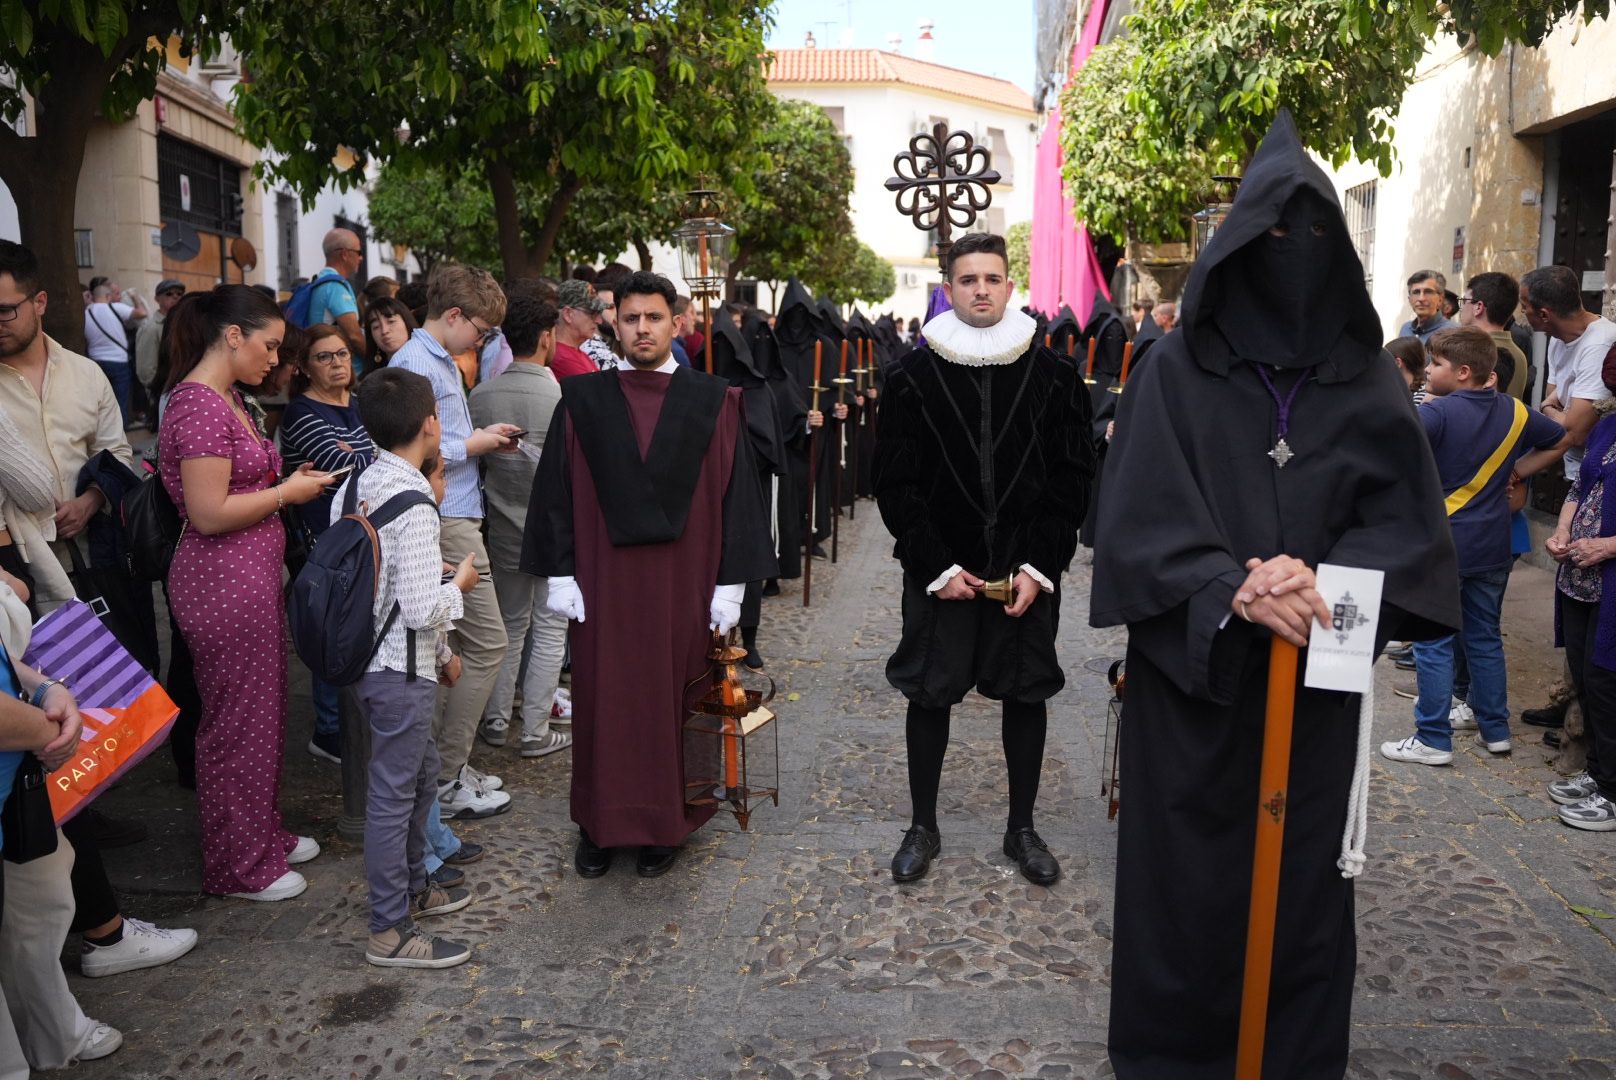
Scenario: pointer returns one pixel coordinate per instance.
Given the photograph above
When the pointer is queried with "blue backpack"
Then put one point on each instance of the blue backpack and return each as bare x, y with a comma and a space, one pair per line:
329, 611
298, 307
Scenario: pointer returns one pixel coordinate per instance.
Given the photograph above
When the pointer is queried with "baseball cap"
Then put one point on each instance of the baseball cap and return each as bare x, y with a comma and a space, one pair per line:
576, 294
168, 285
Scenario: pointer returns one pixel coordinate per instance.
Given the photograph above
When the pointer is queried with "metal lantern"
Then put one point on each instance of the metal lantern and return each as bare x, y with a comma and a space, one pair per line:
1110, 755
731, 742
1211, 218
704, 251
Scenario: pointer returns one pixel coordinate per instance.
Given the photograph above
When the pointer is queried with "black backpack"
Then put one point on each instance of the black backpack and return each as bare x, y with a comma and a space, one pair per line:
332, 600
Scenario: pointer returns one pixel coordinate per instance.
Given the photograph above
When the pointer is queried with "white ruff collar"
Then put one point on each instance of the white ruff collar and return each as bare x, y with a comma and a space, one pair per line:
978, 346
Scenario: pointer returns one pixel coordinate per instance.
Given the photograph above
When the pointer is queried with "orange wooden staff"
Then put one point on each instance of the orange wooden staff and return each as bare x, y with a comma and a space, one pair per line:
1271, 798
1127, 358
1088, 372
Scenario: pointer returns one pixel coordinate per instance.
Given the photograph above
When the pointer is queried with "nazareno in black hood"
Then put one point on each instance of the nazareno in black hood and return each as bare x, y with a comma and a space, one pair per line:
796, 322
1296, 300
732, 357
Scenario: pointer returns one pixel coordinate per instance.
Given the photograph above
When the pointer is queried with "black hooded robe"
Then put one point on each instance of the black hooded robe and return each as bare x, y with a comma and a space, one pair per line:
732, 360
861, 432
1194, 494
797, 327
791, 417
1110, 336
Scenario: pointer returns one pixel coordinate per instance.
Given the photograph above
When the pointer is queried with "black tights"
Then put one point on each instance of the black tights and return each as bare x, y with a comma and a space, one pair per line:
1023, 731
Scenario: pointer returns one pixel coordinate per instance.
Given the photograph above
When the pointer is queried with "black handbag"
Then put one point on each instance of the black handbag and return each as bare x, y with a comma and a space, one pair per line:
27, 819
152, 530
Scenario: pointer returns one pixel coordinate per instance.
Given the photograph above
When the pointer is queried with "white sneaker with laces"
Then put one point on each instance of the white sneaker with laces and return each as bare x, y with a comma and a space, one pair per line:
1499, 747
285, 887
561, 708
142, 946
1411, 749
462, 803
99, 1042
307, 848
1462, 716
1595, 814
483, 782
1573, 789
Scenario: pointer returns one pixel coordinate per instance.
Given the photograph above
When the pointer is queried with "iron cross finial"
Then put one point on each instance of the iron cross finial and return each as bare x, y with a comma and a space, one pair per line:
943, 182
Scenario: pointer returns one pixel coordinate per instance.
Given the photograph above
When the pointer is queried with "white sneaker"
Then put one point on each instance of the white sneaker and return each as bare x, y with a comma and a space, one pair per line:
285, 887
1499, 747
561, 708
102, 1040
1462, 716
481, 781
459, 802
142, 946
1573, 789
307, 848
1411, 749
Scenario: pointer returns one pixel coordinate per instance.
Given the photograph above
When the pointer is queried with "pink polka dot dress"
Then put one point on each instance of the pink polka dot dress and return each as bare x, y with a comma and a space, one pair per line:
226, 595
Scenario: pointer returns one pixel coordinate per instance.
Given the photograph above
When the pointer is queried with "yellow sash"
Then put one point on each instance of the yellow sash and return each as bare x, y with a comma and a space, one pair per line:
1489, 468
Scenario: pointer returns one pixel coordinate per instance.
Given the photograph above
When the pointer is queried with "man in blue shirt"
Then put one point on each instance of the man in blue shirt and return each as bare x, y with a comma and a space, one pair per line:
333, 300
463, 307
1480, 438
1426, 289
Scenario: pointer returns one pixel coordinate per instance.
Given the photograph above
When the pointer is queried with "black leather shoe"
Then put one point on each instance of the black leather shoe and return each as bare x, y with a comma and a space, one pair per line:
1402, 652
449, 877
920, 846
1551, 738
1032, 856
655, 861
1550, 716
590, 859
771, 587
754, 660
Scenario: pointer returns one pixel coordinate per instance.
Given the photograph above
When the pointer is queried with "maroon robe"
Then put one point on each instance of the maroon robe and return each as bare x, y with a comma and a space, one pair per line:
646, 577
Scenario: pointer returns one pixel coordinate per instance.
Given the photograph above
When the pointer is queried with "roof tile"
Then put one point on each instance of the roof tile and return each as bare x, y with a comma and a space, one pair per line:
878, 66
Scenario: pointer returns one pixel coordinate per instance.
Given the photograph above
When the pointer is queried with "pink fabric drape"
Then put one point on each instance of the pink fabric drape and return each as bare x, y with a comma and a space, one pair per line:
1063, 264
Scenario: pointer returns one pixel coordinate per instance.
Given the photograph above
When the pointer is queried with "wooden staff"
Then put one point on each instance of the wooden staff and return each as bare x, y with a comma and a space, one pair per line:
813, 467
1271, 799
858, 426
836, 464
1088, 373
1127, 358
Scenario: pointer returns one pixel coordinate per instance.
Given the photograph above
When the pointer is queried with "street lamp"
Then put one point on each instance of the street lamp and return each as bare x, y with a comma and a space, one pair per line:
1210, 219
704, 251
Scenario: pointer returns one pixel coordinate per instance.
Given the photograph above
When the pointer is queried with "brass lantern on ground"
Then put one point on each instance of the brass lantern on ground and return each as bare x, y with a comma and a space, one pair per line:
1210, 219
731, 742
704, 251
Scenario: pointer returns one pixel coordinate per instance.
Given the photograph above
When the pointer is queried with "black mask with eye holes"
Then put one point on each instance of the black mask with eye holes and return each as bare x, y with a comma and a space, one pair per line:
1281, 283
1277, 294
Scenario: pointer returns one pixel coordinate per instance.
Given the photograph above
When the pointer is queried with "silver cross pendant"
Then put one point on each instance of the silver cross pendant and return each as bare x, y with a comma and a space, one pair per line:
1281, 453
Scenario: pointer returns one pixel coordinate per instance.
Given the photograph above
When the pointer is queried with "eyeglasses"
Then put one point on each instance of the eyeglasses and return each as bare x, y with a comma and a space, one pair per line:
8, 312
1425, 292
483, 332
341, 356
1468, 300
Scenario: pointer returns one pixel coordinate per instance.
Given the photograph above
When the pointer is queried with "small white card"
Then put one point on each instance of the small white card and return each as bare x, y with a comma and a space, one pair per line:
1342, 655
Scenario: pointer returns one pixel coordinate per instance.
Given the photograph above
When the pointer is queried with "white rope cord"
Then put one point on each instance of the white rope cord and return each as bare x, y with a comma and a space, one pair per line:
1352, 858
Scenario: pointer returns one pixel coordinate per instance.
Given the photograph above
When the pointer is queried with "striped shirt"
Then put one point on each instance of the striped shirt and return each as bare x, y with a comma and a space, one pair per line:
425, 355
330, 437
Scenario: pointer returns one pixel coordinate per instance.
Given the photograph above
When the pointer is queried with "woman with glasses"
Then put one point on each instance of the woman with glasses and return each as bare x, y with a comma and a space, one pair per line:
322, 427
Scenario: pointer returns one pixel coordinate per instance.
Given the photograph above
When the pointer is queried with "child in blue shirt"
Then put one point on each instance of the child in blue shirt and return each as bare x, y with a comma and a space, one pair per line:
1480, 439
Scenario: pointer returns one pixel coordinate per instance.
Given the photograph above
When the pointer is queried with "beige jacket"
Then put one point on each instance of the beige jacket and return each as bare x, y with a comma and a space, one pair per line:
74, 419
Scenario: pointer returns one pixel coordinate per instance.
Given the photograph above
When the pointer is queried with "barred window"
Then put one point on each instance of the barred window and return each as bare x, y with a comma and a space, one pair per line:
1361, 226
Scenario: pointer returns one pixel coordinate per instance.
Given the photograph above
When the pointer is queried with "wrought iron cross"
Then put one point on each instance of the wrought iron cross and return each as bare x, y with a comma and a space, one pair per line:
943, 182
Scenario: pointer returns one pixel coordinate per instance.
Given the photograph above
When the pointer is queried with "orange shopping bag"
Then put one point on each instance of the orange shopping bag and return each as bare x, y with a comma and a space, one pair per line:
126, 714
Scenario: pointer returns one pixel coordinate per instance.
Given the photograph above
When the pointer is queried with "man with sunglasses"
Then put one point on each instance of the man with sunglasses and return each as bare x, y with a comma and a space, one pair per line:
1425, 292
333, 301
463, 306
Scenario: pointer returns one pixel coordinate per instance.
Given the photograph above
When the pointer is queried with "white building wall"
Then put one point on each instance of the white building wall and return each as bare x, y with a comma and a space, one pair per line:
313, 224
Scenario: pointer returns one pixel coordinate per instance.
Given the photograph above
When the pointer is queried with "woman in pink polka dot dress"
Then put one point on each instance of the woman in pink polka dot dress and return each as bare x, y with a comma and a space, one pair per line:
225, 584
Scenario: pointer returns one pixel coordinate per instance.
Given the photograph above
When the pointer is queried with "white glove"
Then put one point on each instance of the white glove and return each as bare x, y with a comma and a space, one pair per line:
565, 599
725, 611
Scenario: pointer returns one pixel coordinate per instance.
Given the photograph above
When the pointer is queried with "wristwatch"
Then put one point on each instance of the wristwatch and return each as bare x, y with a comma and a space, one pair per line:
41, 690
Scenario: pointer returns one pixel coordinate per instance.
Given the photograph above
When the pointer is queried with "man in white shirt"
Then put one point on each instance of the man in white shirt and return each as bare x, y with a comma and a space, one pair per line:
1551, 299
106, 332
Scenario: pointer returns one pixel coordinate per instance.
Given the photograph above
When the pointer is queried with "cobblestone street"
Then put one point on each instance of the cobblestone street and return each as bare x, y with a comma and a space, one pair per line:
787, 952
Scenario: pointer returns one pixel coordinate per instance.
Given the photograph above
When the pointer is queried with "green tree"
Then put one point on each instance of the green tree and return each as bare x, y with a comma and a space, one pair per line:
552, 96
79, 61
1018, 245
436, 215
850, 272
800, 191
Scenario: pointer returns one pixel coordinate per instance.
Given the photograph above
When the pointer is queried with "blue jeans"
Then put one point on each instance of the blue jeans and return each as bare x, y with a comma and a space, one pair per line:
122, 380
440, 841
327, 703
1481, 602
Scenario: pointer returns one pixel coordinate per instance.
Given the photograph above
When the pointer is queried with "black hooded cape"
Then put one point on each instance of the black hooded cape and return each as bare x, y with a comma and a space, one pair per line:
732, 360
801, 323
791, 416
1191, 495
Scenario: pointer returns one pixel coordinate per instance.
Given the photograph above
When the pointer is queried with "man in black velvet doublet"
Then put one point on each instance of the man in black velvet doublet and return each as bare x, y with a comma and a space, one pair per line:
983, 463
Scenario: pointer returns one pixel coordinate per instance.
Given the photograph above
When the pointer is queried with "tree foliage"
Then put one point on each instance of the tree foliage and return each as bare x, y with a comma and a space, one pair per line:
850, 272
552, 97
1018, 245
800, 192
437, 215
1193, 85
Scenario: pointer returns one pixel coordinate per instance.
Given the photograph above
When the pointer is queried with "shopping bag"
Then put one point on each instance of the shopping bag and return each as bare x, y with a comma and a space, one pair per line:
126, 714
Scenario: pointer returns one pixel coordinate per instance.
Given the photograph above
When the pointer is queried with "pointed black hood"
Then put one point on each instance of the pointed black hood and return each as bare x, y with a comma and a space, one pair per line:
1061, 329
795, 324
761, 344
1100, 315
1280, 283
1150, 332
732, 357
830, 319
858, 326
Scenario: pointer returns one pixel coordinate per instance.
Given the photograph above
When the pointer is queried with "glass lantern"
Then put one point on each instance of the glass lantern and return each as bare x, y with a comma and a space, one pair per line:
1211, 218
731, 740
705, 246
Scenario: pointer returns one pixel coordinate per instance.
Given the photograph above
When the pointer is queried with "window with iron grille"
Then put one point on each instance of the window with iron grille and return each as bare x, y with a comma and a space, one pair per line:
212, 183
1361, 226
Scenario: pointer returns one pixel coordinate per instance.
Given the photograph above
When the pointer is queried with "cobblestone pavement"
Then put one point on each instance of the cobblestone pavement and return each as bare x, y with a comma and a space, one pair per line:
786, 952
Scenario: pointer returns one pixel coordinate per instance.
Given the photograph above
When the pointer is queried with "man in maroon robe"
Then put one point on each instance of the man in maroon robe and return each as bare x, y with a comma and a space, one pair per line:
648, 520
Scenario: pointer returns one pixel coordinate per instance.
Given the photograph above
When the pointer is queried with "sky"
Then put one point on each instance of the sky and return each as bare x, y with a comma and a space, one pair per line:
1001, 45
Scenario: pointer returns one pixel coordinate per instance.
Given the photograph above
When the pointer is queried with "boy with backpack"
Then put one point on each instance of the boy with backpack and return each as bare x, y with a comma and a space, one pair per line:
398, 691
1479, 438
